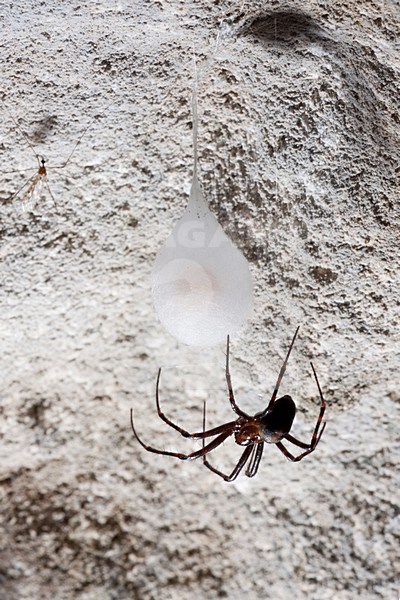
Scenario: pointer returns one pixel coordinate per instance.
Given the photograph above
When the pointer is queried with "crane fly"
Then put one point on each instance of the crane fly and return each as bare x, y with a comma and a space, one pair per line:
32, 187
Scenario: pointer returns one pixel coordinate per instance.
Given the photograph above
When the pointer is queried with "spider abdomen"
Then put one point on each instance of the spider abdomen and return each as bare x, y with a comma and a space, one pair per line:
279, 420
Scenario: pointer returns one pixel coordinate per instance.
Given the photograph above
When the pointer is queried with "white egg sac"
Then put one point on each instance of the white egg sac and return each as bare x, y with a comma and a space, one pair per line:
201, 283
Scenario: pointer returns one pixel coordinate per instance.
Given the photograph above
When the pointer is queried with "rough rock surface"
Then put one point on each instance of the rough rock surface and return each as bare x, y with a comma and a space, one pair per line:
299, 156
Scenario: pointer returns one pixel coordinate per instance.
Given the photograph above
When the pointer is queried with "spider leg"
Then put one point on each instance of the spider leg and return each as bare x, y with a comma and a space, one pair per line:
313, 442
323, 403
297, 442
251, 461
183, 432
161, 414
229, 384
297, 458
242, 461
204, 450
254, 463
281, 374
315, 438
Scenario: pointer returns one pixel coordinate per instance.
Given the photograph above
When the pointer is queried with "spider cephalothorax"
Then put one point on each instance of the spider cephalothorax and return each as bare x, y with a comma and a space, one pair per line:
269, 426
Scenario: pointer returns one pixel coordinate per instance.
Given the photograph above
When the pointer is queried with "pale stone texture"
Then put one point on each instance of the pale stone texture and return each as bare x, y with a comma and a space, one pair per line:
299, 158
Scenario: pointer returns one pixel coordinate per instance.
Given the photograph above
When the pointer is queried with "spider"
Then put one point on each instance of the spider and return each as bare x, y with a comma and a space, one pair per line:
269, 426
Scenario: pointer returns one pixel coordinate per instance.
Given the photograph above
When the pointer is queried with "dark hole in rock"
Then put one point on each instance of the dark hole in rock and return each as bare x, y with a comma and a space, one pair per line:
323, 274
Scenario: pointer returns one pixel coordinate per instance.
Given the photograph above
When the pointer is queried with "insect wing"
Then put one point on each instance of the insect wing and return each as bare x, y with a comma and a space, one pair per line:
32, 195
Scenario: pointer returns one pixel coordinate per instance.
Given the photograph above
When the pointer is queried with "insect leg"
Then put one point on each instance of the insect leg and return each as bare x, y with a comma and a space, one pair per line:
46, 182
15, 194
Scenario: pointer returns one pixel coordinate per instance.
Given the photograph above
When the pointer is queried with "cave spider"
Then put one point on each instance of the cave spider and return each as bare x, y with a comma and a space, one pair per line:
269, 426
